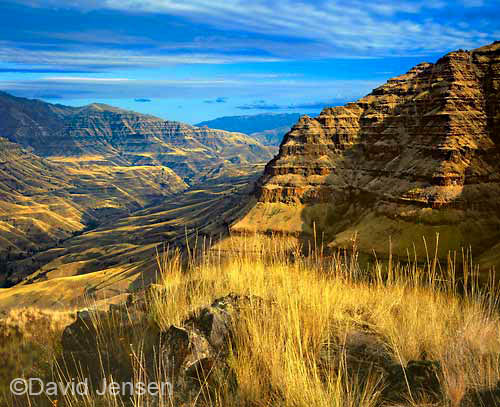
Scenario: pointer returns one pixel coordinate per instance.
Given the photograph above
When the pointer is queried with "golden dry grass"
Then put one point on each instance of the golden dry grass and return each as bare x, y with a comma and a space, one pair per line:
29, 341
433, 311
417, 311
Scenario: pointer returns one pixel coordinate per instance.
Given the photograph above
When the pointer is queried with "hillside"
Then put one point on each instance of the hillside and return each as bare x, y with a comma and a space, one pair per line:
25, 215
69, 169
44, 201
113, 135
31, 123
417, 156
120, 255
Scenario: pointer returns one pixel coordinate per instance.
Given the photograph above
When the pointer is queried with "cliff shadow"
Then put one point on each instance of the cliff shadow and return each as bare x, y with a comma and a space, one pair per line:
410, 177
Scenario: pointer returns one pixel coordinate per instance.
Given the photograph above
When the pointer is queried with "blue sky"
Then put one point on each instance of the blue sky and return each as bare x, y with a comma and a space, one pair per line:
200, 59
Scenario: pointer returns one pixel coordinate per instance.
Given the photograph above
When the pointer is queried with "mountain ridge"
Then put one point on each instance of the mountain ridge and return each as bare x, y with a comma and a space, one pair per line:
268, 128
65, 169
99, 129
417, 156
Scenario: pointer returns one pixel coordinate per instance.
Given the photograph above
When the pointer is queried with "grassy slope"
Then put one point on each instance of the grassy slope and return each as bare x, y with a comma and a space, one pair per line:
321, 303
327, 313
413, 231
118, 256
44, 201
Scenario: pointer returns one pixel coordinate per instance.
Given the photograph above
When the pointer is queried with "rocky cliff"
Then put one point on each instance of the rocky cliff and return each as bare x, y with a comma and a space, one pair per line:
418, 155
104, 130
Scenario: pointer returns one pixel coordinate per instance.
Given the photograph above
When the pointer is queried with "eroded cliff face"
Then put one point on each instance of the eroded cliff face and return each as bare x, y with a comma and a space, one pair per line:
418, 155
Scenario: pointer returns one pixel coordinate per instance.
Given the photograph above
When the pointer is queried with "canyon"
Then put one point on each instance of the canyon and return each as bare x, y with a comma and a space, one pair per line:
65, 171
406, 172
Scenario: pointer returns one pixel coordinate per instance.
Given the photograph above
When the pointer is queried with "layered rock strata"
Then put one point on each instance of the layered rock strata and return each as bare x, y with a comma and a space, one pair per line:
418, 155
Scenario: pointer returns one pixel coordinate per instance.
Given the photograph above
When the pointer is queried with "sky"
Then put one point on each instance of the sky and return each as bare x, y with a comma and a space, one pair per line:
195, 60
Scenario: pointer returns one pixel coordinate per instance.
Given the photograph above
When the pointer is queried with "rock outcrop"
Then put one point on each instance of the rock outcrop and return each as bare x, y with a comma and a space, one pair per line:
197, 356
418, 155
188, 356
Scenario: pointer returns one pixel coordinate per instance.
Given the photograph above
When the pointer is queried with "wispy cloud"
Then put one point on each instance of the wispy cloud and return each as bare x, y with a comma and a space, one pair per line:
83, 79
317, 105
46, 70
190, 88
221, 33
384, 27
260, 105
85, 59
217, 100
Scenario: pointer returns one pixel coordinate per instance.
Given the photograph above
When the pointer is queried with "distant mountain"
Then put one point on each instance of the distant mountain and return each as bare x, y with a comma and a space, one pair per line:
65, 169
271, 137
267, 128
123, 137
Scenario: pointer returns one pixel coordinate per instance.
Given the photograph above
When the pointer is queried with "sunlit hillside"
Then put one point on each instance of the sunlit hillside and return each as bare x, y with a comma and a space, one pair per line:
284, 328
118, 256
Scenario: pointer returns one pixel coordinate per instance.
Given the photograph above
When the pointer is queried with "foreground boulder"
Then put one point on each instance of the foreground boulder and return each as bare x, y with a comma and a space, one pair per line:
419, 380
98, 344
363, 354
190, 357
197, 352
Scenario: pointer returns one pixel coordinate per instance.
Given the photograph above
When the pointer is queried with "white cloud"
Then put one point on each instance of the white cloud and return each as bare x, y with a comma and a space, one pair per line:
83, 79
356, 25
197, 88
97, 58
